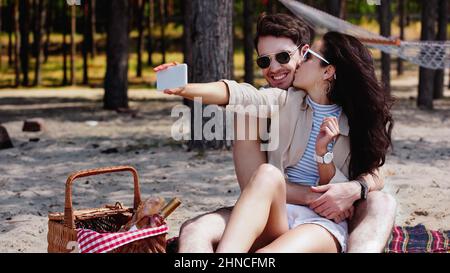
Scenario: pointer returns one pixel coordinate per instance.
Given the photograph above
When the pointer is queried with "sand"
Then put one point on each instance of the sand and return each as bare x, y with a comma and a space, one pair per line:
80, 135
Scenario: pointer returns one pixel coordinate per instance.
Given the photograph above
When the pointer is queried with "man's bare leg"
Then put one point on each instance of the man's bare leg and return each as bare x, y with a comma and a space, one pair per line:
372, 223
202, 233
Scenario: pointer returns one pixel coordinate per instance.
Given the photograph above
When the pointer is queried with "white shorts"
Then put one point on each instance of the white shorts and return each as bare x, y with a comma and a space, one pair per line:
299, 215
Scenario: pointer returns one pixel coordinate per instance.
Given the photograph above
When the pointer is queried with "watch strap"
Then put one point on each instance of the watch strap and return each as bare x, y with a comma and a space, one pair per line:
319, 159
364, 189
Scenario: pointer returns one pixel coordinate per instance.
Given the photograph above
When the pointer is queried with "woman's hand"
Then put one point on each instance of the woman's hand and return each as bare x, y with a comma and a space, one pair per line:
348, 214
329, 131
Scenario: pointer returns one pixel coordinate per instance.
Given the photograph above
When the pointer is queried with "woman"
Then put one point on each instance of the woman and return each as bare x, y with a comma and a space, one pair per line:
336, 126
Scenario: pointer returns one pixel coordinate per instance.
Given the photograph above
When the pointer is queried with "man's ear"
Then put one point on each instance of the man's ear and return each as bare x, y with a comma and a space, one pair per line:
329, 72
303, 50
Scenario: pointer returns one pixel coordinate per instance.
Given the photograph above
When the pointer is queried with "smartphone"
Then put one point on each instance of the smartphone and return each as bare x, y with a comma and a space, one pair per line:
172, 77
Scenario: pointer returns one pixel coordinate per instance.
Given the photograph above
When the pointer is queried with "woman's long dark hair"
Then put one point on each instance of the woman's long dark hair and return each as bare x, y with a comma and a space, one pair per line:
363, 99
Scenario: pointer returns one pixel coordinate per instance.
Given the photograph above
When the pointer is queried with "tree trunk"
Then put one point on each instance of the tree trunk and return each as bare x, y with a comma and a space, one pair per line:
441, 36
17, 39
401, 24
1, 48
248, 40
40, 24
140, 41
33, 26
426, 76
116, 78
150, 25
73, 45
385, 18
272, 6
10, 34
337, 8
343, 10
48, 28
186, 8
24, 8
334, 7
93, 19
162, 22
64, 46
187, 34
86, 42
170, 8
212, 26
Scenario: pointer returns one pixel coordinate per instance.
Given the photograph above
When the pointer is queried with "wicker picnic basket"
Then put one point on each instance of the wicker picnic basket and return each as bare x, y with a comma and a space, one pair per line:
62, 227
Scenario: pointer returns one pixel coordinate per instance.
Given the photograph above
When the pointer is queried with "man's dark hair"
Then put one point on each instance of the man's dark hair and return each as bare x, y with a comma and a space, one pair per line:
283, 25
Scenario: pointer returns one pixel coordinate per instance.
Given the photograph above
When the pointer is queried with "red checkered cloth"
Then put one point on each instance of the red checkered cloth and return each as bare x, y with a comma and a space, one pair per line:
418, 239
90, 241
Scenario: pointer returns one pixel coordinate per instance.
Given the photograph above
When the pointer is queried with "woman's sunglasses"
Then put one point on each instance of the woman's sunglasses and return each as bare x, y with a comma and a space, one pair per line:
282, 57
310, 51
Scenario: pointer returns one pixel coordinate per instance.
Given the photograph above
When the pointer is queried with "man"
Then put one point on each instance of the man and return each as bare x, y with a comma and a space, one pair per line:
371, 223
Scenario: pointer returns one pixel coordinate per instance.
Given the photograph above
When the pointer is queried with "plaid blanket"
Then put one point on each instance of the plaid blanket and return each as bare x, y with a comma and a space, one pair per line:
418, 239
415, 239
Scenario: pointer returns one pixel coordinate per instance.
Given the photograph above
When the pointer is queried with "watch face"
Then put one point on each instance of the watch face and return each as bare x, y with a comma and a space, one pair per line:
327, 158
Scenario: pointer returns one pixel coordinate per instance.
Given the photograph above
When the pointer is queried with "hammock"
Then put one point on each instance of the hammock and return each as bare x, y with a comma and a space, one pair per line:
428, 54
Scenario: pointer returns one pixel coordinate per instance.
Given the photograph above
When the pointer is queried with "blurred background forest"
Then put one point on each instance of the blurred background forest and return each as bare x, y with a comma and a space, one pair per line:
46, 44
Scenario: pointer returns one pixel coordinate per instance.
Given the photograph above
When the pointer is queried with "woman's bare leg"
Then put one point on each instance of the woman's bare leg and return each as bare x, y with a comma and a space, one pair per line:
307, 238
202, 233
259, 212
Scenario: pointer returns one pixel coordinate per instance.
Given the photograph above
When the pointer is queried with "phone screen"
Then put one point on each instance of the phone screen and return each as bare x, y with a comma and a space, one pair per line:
172, 77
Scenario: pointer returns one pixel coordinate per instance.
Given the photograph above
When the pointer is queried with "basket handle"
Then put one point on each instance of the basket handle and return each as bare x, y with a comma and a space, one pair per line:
69, 219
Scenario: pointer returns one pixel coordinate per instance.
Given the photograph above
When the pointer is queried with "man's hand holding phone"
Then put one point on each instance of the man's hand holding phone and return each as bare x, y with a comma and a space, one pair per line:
171, 78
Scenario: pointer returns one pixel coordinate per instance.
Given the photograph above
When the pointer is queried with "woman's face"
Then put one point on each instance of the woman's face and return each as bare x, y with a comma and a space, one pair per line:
310, 73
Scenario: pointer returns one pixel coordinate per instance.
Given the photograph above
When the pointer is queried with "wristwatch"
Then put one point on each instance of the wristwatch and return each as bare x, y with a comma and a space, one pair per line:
325, 159
364, 189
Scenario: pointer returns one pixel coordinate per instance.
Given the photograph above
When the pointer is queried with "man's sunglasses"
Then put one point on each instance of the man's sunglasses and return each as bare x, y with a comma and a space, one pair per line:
282, 57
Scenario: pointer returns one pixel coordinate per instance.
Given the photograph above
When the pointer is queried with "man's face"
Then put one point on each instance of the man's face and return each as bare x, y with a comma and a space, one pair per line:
279, 75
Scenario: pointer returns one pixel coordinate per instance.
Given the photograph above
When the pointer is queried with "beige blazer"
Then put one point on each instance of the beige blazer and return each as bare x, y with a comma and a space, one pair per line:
295, 124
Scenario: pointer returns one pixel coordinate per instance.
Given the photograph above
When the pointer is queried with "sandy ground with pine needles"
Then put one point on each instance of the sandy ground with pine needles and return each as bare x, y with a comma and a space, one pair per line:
80, 135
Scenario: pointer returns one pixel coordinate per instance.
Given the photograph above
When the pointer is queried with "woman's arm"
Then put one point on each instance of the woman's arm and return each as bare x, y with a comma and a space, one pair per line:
210, 93
374, 181
300, 195
329, 131
326, 171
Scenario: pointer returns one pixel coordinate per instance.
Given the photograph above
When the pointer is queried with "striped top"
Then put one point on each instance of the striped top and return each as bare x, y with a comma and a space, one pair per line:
306, 172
